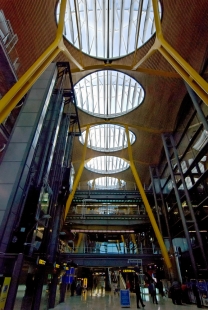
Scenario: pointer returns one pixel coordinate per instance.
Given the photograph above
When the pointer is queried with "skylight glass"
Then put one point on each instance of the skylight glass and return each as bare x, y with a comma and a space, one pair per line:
107, 164
108, 94
108, 29
107, 138
106, 183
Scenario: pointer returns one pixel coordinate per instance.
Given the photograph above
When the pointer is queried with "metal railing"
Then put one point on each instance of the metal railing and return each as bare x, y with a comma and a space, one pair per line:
79, 210
111, 249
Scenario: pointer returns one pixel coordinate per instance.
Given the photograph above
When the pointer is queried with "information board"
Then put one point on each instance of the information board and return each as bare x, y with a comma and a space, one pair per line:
125, 298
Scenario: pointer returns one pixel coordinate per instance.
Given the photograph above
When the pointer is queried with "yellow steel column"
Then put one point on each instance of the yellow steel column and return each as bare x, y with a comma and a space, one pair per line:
21, 87
78, 176
77, 250
192, 78
14, 95
147, 206
134, 242
125, 247
195, 81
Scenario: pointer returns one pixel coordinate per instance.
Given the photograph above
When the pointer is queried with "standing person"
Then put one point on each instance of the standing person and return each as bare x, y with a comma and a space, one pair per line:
73, 287
184, 293
152, 289
78, 289
138, 296
196, 294
128, 285
176, 292
160, 288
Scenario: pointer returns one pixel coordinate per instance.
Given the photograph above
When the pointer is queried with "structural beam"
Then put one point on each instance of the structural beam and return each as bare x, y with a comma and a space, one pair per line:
118, 66
142, 128
152, 50
78, 176
192, 78
21, 87
147, 205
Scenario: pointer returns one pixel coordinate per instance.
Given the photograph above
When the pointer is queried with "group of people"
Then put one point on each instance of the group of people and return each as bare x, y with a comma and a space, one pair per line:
179, 293
152, 290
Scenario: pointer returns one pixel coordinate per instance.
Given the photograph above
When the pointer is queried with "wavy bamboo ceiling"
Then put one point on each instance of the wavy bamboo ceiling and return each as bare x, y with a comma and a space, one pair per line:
184, 26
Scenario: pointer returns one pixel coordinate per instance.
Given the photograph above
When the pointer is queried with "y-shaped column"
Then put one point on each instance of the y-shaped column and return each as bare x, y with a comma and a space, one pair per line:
15, 94
147, 205
188, 74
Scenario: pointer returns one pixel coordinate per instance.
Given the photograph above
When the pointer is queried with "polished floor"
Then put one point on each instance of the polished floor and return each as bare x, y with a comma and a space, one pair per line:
109, 301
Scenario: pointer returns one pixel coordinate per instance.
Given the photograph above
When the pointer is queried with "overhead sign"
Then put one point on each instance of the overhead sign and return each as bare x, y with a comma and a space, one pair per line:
134, 261
85, 283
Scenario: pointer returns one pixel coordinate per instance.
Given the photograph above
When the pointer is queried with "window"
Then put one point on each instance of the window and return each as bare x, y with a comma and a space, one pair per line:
107, 138
108, 94
108, 29
107, 164
106, 183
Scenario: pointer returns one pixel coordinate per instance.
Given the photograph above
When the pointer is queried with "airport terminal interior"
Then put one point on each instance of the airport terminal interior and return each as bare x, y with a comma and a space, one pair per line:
103, 154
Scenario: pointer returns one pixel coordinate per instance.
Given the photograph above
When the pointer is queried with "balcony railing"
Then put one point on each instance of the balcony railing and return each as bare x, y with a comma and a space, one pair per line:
111, 249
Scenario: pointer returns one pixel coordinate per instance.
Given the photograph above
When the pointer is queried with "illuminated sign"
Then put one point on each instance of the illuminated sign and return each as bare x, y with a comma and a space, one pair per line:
128, 270
41, 262
56, 265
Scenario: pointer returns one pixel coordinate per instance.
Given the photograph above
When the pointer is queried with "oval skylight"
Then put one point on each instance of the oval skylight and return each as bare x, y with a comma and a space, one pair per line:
108, 94
106, 183
108, 29
107, 164
107, 138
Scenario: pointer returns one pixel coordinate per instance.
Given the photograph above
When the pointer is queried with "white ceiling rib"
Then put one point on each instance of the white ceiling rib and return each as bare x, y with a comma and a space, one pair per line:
108, 94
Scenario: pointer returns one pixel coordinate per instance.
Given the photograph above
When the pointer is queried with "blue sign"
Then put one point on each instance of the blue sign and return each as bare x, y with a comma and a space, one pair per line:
71, 279
125, 298
66, 279
72, 270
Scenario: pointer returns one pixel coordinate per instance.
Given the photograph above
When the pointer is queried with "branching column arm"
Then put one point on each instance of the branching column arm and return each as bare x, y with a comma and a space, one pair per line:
22, 86
147, 205
183, 68
192, 78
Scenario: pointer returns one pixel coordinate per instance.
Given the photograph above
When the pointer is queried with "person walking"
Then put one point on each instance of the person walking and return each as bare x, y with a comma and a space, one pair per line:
152, 290
138, 296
